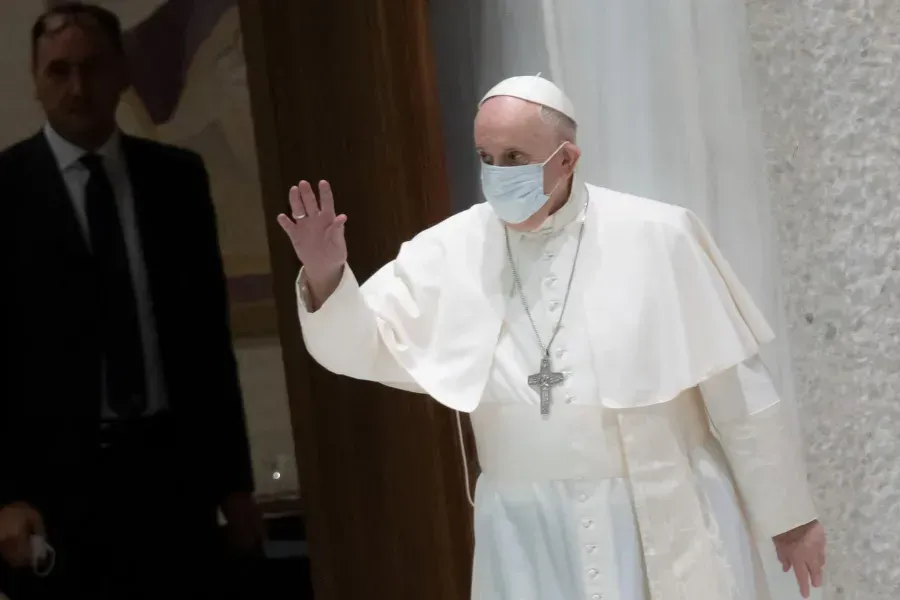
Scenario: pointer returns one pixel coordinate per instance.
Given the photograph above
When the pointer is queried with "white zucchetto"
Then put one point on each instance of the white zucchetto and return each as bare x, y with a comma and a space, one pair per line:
536, 89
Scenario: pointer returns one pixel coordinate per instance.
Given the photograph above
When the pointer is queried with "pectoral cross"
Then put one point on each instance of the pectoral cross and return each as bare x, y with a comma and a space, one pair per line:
545, 379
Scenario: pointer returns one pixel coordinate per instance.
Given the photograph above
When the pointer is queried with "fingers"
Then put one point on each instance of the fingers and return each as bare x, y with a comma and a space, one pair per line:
816, 575
336, 229
326, 198
785, 564
16, 553
801, 572
308, 198
296, 202
287, 224
15, 547
304, 203
817, 569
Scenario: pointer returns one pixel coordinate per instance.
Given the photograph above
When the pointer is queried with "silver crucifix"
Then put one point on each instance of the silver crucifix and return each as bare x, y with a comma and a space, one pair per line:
545, 380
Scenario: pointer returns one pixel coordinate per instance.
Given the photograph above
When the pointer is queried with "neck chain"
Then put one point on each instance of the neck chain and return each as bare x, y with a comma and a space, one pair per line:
546, 378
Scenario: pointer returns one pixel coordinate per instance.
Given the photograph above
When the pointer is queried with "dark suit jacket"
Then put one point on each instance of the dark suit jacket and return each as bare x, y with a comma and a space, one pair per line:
49, 400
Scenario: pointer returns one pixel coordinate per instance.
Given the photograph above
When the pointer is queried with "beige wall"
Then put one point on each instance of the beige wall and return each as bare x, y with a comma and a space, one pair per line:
268, 418
19, 116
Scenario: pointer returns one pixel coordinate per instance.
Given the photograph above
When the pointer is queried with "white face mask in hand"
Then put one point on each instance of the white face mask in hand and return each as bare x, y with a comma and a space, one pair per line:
516, 193
43, 556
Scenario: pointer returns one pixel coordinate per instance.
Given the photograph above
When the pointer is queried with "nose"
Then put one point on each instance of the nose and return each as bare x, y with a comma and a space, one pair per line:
76, 82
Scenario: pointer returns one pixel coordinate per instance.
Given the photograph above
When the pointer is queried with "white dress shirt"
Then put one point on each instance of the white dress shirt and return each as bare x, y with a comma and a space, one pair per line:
75, 175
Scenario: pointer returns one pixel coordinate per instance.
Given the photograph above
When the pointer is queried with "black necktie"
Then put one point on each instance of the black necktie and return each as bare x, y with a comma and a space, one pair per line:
118, 324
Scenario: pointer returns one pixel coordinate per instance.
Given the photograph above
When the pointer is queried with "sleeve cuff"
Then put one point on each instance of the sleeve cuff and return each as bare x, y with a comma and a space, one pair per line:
347, 285
799, 511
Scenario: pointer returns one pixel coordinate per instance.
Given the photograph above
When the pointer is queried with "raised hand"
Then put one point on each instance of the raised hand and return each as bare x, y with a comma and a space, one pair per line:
315, 231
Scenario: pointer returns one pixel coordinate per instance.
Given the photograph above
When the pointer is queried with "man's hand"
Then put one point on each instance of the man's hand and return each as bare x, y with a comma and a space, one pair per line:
317, 235
803, 549
246, 528
18, 522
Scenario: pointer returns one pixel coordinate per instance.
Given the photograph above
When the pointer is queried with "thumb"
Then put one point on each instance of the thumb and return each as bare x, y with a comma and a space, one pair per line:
783, 559
336, 231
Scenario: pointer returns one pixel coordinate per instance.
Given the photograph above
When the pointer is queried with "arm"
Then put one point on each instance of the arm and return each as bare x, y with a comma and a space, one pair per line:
16, 483
233, 470
765, 458
21, 496
342, 334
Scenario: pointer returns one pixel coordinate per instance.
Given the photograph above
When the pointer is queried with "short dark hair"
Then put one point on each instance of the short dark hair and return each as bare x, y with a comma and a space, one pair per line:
65, 14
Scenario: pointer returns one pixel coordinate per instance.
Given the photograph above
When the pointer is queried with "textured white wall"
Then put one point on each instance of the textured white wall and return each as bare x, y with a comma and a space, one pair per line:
830, 77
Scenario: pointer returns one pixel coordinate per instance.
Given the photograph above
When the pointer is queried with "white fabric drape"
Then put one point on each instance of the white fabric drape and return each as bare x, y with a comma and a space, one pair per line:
665, 98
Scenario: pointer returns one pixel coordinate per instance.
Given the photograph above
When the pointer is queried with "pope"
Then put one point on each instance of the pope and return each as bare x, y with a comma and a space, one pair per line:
632, 445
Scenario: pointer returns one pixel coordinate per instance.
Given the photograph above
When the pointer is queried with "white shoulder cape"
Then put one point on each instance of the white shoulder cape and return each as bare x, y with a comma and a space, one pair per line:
664, 310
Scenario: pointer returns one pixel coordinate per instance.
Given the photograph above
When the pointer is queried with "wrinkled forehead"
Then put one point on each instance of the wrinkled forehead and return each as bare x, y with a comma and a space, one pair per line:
505, 122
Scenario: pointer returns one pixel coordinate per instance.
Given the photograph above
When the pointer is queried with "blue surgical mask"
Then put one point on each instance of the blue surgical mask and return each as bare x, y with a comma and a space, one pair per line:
516, 193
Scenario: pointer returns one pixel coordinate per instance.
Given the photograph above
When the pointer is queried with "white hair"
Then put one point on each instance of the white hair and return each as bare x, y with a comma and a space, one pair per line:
565, 127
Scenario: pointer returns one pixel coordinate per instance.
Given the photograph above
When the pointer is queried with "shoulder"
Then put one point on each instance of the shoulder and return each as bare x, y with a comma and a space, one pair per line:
174, 157
634, 213
19, 153
464, 222
465, 229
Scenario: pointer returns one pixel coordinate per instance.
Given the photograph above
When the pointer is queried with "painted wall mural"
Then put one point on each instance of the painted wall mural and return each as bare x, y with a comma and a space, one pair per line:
190, 89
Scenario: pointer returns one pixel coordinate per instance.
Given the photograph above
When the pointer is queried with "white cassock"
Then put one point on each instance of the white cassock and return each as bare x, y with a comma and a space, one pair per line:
665, 459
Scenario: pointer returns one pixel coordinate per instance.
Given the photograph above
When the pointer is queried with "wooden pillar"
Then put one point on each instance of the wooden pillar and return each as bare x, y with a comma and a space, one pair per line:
344, 90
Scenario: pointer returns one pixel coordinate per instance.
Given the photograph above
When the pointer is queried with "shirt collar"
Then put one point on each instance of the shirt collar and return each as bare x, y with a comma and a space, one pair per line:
68, 154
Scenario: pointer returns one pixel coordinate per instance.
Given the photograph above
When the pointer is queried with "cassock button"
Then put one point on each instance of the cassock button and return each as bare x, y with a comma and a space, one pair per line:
570, 399
582, 498
549, 256
551, 280
587, 523
596, 597
593, 573
591, 548
554, 306
560, 352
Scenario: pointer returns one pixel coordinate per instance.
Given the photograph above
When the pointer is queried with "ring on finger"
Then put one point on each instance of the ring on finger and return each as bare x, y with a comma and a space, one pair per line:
298, 217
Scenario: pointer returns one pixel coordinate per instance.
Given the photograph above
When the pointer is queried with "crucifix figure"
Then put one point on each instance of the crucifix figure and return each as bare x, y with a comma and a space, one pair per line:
545, 379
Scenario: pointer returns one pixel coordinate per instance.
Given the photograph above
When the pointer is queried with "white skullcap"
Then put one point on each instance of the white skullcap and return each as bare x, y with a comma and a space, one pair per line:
533, 88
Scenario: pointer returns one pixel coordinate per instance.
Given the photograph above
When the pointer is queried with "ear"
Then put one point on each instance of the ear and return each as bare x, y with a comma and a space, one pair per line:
571, 156
35, 88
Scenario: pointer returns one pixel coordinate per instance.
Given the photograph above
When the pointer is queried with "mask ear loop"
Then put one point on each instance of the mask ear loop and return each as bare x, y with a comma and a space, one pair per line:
544, 164
555, 152
43, 556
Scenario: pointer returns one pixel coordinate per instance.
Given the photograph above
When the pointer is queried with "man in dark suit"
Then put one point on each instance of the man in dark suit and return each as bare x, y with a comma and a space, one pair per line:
121, 421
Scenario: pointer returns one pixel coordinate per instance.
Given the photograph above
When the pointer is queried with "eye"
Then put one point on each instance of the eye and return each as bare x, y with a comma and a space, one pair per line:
58, 69
485, 158
515, 157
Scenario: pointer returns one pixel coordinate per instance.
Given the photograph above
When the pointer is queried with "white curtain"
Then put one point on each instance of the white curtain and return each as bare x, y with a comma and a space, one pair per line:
665, 97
